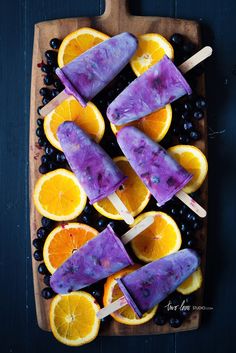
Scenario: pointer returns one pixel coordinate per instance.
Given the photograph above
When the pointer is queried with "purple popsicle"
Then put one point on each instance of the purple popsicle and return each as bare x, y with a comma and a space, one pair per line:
97, 259
90, 72
161, 84
149, 285
162, 175
95, 170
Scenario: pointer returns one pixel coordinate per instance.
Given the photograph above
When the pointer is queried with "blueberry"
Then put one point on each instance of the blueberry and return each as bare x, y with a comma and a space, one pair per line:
102, 223
195, 135
54, 93
40, 131
48, 80
188, 233
51, 54
97, 294
43, 168
85, 219
112, 224
197, 225
185, 115
55, 43
40, 122
183, 210
41, 142
185, 313
160, 319
39, 108
47, 293
88, 210
44, 159
191, 217
183, 227
50, 151
177, 39
175, 322
44, 91
201, 103
45, 100
41, 233
47, 223
38, 255
42, 269
198, 114
189, 299
52, 166
173, 211
188, 106
60, 157
37, 243
57, 84
46, 68
46, 280
187, 126
184, 139
190, 243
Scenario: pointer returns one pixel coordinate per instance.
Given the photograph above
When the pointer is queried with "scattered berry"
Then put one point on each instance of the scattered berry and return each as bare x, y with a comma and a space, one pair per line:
47, 293
38, 109
43, 168
44, 91
160, 319
49, 151
37, 243
55, 43
176, 39
47, 223
42, 269
195, 135
60, 157
175, 322
40, 122
48, 80
38, 255
46, 280
41, 233
51, 54
46, 68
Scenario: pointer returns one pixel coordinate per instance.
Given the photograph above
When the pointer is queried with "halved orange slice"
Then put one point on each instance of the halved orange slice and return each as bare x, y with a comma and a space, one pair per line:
88, 119
160, 239
77, 42
63, 241
151, 48
194, 161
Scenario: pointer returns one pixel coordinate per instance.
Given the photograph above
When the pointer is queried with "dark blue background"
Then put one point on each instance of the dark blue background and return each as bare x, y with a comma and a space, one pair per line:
19, 329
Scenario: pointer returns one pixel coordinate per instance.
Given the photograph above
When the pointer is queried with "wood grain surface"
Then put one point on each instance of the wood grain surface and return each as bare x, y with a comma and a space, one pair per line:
115, 19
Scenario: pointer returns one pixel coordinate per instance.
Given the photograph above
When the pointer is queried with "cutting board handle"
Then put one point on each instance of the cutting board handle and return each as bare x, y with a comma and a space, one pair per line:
117, 8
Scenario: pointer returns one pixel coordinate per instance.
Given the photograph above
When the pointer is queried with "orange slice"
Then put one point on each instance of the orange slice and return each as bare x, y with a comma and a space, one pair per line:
73, 318
162, 238
59, 196
133, 193
63, 241
89, 119
155, 125
151, 48
77, 42
194, 161
192, 283
125, 315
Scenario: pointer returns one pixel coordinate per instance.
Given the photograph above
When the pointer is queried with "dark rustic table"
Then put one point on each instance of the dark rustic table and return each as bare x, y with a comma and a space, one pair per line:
18, 327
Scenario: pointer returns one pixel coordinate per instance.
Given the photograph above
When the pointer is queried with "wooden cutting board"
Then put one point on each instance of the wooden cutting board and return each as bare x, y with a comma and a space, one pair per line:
115, 19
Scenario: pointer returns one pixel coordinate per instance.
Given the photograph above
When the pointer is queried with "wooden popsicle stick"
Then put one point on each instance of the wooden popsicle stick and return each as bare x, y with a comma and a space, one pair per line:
137, 229
121, 208
191, 203
195, 59
109, 309
54, 103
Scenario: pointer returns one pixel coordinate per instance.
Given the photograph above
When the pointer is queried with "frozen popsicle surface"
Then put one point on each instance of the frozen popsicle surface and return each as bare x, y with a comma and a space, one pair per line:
162, 175
149, 285
90, 72
163, 83
95, 170
97, 259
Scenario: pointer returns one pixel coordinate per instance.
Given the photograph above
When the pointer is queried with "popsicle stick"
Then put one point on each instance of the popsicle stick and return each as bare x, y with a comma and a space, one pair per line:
109, 309
54, 103
121, 208
191, 203
136, 230
195, 59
